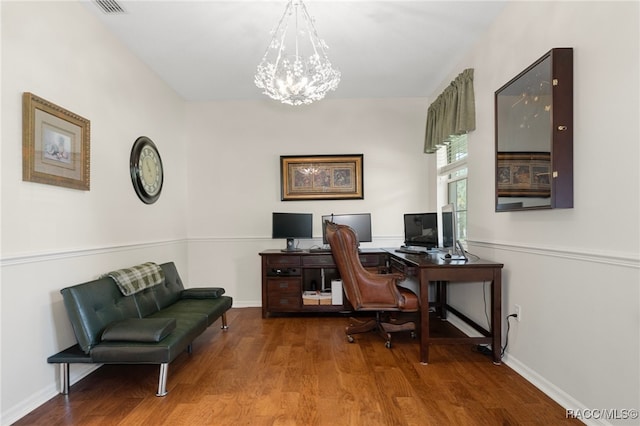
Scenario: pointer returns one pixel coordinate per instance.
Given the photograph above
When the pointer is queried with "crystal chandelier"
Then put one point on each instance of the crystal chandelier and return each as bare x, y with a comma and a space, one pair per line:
285, 73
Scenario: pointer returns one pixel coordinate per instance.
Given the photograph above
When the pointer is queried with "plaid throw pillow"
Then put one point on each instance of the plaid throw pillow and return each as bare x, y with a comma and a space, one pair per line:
137, 278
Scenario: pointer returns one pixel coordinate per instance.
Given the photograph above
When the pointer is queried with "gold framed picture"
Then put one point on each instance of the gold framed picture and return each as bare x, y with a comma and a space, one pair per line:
321, 177
55, 144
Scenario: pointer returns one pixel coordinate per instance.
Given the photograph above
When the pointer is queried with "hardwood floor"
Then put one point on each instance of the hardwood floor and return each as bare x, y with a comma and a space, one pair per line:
301, 371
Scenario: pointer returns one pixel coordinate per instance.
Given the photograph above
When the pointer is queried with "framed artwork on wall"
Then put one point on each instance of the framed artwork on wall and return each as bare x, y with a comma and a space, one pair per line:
524, 174
321, 177
55, 144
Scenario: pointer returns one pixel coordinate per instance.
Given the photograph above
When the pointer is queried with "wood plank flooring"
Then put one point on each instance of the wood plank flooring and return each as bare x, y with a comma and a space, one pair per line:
302, 371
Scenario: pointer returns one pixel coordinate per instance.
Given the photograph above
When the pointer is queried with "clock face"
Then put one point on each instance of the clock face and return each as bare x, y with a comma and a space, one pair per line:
146, 170
150, 170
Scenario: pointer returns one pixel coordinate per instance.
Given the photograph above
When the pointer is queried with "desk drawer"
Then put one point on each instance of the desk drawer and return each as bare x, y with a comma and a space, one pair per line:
372, 260
327, 260
284, 303
282, 266
284, 293
403, 268
284, 285
319, 260
283, 261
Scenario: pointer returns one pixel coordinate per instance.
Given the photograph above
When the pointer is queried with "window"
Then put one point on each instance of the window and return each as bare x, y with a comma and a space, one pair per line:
452, 180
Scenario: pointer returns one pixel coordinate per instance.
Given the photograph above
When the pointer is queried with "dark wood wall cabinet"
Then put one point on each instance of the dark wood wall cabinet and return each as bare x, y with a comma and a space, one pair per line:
289, 278
534, 136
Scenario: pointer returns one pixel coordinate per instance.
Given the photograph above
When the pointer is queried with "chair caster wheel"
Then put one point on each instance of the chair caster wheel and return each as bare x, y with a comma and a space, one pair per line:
387, 344
350, 339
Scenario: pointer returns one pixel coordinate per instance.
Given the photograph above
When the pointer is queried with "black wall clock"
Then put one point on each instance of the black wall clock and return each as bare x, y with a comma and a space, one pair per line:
146, 170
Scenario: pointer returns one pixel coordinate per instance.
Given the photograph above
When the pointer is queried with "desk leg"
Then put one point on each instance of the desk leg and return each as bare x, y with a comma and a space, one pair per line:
442, 299
424, 316
496, 317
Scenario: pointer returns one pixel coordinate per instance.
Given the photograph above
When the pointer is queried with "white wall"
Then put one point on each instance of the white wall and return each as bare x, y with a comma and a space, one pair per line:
52, 236
234, 176
575, 272
51, 49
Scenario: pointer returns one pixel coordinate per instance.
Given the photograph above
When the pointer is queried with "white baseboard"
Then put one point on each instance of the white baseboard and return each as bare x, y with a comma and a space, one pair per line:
26, 406
552, 391
247, 304
565, 400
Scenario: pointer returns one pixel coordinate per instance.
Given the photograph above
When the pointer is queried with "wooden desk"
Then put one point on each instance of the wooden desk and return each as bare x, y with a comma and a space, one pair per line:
432, 268
286, 275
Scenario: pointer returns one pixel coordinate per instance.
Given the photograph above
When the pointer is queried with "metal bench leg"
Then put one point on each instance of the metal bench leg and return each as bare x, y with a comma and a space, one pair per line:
224, 321
64, 378
162, 381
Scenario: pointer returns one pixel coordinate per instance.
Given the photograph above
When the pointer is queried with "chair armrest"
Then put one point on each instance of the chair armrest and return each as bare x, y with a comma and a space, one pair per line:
202, 293
380, 290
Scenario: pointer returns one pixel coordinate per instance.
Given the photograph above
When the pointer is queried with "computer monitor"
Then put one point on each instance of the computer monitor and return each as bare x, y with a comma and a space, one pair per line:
292, 226
448, 226
359, 222
421, 230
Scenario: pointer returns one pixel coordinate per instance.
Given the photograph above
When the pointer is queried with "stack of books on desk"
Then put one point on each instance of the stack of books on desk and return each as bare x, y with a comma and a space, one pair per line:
316, 298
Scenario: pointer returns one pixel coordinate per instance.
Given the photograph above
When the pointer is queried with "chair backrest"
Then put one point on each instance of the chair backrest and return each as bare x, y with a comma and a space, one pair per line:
344, 246
364, 290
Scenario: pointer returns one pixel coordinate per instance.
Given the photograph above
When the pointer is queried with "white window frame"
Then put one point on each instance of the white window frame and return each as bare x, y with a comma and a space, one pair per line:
449, 174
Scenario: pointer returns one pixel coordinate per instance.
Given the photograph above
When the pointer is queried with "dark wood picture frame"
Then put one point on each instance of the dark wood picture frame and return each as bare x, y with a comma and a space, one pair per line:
321, 177
55, 144
534, 115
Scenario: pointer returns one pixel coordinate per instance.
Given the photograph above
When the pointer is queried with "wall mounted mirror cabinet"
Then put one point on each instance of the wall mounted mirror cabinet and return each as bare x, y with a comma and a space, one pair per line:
534, 136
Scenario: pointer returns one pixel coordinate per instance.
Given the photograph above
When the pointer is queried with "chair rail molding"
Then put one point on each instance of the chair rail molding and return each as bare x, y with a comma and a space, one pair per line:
615, 259
73, 253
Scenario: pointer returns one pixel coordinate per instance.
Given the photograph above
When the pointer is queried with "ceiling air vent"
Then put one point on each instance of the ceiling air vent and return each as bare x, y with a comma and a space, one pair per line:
109, 6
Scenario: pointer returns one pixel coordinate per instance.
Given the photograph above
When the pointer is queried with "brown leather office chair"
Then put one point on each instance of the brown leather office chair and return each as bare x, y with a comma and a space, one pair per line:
367, 291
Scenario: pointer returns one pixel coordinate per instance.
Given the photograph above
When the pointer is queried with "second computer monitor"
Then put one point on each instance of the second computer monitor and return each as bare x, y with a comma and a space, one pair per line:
421, 230
359, 222
448, 226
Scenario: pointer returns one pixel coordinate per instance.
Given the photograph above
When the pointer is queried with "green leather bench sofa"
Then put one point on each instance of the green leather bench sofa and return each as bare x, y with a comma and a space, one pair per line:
152, 325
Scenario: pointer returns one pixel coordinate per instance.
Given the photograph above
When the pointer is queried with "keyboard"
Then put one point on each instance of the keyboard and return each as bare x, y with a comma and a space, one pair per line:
406, 250
327, 250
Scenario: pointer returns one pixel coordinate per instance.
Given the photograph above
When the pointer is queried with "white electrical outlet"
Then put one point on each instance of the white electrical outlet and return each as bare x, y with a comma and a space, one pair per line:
518, 312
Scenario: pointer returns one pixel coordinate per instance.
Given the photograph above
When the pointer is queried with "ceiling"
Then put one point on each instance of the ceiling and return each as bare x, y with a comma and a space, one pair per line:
208, 50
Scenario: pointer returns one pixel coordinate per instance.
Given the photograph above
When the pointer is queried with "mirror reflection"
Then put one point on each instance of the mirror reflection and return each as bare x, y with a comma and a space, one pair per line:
523, 139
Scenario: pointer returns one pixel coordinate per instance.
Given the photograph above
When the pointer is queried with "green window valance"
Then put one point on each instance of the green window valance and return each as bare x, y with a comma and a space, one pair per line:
452, 113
